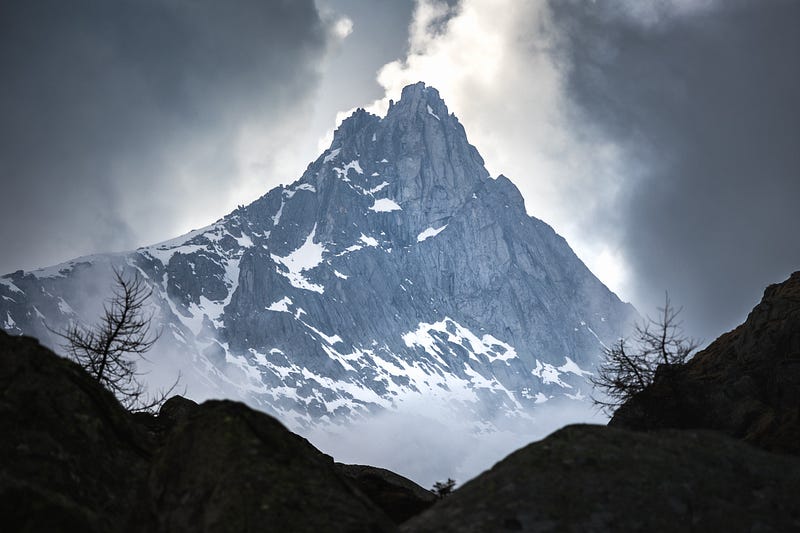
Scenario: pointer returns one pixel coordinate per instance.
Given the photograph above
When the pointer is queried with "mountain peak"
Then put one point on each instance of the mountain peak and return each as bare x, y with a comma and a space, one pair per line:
418, 98
419, 150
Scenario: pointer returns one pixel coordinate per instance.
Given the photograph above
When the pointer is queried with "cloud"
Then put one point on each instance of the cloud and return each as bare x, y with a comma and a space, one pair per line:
133, 121
706, 103
426, 441
659, 137
500, 69
649, 14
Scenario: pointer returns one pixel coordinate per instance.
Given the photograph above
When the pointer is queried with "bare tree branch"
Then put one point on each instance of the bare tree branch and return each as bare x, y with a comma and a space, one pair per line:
109, 350
659, 341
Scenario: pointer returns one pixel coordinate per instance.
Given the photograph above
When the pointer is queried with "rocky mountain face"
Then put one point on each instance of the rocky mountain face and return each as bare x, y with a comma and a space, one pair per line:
394, 269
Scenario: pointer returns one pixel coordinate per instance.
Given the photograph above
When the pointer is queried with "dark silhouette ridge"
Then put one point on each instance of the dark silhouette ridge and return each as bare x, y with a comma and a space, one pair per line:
745, 384
75, 460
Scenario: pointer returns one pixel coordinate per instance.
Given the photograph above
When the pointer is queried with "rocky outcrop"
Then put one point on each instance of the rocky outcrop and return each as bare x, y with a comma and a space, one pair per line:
397, 496
595, 478
745, 384
75, 460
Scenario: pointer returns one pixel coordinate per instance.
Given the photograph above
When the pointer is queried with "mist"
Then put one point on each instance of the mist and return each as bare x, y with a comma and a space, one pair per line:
427, 441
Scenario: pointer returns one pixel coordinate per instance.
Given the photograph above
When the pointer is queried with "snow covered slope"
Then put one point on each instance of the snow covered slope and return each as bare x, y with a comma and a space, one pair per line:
394, 269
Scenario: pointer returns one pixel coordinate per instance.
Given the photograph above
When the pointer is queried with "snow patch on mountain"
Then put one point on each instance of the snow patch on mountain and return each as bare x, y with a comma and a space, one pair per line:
384, 205
427, 233
307, 257
367, 240
434, 336
377, 188
281, 305
341, 172
549, 374
10, 284
331, 155
572, 366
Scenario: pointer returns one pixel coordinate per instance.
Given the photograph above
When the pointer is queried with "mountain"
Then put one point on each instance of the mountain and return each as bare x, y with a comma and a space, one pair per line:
394, 270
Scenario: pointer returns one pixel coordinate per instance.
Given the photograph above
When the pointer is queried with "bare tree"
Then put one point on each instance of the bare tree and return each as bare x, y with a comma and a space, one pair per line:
627, 370
110, 350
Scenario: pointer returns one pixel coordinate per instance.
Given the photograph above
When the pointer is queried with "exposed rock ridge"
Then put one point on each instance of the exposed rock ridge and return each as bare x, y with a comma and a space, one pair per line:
746, 383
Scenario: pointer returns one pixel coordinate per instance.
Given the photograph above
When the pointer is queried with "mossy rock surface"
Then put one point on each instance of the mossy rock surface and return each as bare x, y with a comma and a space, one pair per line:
75, 460
225, 467
71, 454
594, 478
397, 496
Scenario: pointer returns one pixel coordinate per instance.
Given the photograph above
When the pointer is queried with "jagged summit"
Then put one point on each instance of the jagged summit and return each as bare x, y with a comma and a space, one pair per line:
417, 101
393, 270
415, 162
420, 99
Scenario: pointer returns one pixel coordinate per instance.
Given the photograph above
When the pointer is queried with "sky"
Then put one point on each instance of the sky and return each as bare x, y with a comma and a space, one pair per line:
661, 138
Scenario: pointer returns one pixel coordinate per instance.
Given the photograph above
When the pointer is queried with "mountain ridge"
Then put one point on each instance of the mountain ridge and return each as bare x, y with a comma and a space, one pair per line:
394, 268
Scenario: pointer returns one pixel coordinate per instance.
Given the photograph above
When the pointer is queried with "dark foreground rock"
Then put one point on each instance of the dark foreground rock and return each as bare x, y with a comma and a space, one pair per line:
746, 383
594, 478
74, 460
397, 496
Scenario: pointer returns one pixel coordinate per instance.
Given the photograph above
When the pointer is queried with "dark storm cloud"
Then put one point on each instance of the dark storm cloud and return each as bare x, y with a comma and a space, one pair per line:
115, 111
380, 35
708, 106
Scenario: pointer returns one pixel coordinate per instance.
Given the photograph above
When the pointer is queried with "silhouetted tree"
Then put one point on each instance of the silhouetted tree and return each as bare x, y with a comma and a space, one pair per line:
443, 488
110, 350
627, 369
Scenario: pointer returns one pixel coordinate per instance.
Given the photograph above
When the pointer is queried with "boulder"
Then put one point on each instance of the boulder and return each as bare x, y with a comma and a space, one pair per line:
594, 478
399, 497
75, 460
